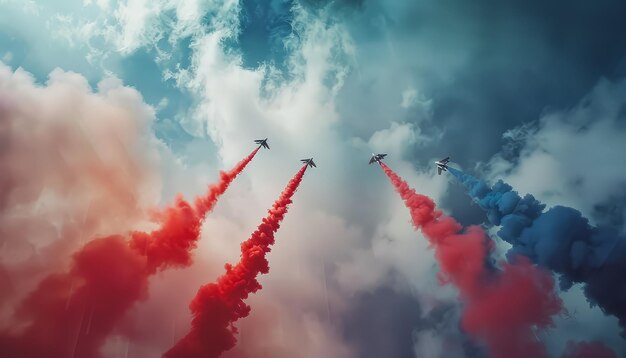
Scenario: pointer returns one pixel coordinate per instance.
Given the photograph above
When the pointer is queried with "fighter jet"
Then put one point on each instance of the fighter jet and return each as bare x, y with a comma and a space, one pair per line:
262, 142
309, 162
442, 165
377, 157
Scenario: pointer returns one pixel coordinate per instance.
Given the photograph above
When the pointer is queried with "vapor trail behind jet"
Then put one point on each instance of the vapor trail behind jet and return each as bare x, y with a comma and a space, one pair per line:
217, 306
71, 314
559, 239
501, 307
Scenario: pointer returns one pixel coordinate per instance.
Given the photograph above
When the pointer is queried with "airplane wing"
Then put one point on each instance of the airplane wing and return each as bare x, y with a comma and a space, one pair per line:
372, 160
439, 170
445, 160
313, 163
266, 145
382, 156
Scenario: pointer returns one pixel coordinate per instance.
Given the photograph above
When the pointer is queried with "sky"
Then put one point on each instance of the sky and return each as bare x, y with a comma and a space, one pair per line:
109, 109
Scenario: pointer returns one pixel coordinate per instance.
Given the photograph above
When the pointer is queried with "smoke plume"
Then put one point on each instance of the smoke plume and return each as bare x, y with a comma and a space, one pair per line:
71, 314
502, 307
76, 163
172, 244
560, 239
217, 306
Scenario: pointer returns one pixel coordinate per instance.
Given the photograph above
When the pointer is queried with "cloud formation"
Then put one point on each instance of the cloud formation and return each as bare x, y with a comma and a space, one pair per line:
76, 163
575, 151
418, 80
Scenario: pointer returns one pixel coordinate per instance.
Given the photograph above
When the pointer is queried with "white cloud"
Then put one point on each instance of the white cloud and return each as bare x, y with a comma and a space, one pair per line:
572, 158
409, 98
163, 103
8, 56
93, 36
394, 140
76, 163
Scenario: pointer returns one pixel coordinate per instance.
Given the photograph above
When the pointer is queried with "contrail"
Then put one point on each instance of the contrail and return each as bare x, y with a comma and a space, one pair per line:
109, 275
217, 306
559, 239
501, 307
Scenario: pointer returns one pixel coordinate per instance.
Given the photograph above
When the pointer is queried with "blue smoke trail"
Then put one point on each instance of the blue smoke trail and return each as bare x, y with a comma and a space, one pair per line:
560, 239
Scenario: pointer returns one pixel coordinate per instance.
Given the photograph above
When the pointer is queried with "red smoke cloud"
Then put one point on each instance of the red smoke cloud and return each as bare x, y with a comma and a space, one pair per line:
217, 306
76, 163
71, 314
500, 307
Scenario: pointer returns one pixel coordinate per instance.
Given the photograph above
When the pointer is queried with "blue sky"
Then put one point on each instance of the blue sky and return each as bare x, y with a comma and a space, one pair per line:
529, 91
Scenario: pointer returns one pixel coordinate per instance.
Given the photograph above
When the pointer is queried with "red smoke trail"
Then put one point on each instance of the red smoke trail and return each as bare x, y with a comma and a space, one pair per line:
500, 307
171, 245
217, 306
71, 314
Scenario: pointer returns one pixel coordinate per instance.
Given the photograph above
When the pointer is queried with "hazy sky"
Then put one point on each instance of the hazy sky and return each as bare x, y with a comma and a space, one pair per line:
532, 92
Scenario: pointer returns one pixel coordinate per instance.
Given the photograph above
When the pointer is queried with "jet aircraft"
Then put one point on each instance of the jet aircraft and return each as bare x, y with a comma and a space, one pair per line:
377, 157
442, 165
309, 162
262, 142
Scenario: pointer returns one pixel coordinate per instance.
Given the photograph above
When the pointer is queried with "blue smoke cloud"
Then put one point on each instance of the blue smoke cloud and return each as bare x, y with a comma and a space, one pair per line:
560, 239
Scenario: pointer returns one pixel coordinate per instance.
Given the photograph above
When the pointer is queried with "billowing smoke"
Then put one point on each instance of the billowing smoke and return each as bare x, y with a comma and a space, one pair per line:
71, 314
560, 239
502, 307
217, 306
76, 163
